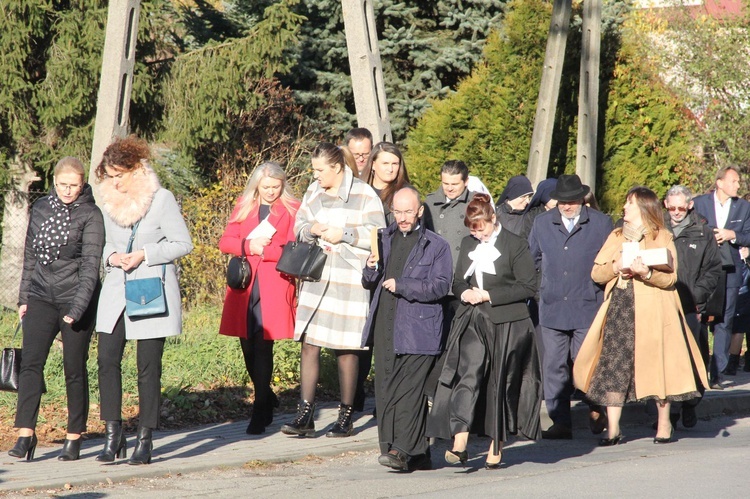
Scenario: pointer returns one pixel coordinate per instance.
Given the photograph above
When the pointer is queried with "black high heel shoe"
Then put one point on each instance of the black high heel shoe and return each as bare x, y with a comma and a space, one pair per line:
71, 450
608, 442
25, 446
665, 440
455, 457
493, 466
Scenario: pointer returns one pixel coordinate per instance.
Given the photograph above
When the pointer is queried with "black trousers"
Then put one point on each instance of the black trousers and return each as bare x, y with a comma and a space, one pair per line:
41, 324
148, 360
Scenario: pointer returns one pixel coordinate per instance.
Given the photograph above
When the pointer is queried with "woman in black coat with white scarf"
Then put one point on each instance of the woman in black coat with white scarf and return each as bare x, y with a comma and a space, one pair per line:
490, 383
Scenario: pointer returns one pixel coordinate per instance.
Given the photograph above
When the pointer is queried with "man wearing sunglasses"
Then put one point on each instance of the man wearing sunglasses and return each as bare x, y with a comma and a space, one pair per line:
698, 273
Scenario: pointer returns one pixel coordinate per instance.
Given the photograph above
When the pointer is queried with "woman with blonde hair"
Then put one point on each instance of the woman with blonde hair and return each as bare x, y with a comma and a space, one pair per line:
639, 346
261, 224
59, 286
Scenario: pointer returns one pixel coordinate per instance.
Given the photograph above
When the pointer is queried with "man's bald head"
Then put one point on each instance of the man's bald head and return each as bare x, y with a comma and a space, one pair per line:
407, 208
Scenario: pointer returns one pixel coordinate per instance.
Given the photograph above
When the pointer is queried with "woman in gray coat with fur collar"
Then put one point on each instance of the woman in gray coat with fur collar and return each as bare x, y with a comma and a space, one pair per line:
130, 195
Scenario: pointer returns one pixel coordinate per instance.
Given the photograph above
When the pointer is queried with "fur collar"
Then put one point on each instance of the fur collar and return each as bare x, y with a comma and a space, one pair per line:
125, 209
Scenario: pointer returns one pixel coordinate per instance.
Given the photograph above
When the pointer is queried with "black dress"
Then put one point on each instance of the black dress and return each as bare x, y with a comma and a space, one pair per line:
613, 381
490, 383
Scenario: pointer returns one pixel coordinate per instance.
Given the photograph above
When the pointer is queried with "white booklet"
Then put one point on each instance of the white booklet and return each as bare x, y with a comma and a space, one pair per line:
264, 229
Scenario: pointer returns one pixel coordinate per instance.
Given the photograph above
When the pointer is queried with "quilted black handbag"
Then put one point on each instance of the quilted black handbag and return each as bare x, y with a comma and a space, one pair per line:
301, 260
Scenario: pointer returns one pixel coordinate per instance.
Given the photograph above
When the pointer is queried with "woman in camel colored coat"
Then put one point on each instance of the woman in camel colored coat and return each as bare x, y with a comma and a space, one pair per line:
639, 345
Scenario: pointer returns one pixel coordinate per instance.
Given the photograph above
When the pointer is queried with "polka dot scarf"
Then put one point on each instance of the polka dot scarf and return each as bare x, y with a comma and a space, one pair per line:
53, 233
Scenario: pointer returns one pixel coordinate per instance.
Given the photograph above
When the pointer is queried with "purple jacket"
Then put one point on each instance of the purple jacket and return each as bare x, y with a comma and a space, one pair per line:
426, 278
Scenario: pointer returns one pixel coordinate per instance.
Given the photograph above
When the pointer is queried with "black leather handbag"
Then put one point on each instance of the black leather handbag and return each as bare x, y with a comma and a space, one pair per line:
10, 366
238, 271
301, 260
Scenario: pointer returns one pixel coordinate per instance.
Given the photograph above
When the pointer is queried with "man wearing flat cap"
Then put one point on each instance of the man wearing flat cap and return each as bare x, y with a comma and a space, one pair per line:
564, 242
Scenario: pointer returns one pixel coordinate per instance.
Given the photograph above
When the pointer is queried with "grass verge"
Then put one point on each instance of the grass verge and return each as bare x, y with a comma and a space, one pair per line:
204, 380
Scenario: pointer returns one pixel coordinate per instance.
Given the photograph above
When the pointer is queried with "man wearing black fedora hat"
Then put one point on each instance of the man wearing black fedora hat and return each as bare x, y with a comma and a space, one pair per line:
564, 242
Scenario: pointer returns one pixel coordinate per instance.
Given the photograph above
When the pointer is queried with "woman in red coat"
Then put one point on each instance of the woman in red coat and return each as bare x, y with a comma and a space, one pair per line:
262, 221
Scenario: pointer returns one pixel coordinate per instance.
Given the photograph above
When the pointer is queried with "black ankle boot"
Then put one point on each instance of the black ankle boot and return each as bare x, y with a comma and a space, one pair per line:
746, 367
343, 427
258, 420
732, 365
115, 444
143, 447
24, 447
304, 424
71, 450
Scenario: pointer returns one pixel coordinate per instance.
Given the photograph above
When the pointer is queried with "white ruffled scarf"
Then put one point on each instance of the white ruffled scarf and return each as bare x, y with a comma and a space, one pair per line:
126, 208
483, 259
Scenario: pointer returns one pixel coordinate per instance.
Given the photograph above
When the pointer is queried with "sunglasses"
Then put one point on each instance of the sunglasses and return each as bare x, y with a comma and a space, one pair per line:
681, 209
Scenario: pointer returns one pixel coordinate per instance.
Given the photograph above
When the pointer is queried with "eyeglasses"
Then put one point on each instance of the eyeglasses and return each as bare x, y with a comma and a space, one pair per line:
681, 209
68, 187
361, 155
408, 213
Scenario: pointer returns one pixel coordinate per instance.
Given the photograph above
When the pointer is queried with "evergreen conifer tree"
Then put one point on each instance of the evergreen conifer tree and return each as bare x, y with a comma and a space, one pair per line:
426, 47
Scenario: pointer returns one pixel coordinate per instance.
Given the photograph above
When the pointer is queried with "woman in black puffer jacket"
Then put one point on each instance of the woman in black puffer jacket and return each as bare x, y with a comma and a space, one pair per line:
60, 281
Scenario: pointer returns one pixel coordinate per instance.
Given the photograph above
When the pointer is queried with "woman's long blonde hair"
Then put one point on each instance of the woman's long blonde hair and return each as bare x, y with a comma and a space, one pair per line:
249, 199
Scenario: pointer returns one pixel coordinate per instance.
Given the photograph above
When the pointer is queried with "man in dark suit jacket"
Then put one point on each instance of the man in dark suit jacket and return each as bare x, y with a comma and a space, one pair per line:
729, 217
564, 242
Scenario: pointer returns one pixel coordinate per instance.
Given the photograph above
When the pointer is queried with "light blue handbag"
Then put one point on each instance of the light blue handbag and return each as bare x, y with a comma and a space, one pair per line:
144, 297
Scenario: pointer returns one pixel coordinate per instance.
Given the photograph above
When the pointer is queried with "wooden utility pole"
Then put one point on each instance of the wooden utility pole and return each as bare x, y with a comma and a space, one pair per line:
588, 94
366, 70
118, 61
549, 90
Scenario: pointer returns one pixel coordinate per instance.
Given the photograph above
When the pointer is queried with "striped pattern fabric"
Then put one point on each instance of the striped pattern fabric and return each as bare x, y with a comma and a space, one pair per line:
332, 312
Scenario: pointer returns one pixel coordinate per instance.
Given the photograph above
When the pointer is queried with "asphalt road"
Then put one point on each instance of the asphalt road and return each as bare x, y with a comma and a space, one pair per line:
710, 460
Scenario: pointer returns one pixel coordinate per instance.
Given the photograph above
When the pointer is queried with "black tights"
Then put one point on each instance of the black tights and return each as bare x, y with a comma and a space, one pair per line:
258, 354
348, 364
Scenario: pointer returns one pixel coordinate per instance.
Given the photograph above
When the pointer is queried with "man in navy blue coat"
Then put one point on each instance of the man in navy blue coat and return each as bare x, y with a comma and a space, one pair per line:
405, 325
729, 217
564, 243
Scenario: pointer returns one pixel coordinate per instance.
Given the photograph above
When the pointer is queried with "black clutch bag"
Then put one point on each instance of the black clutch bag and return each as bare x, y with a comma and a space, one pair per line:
302, 260
238, 271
